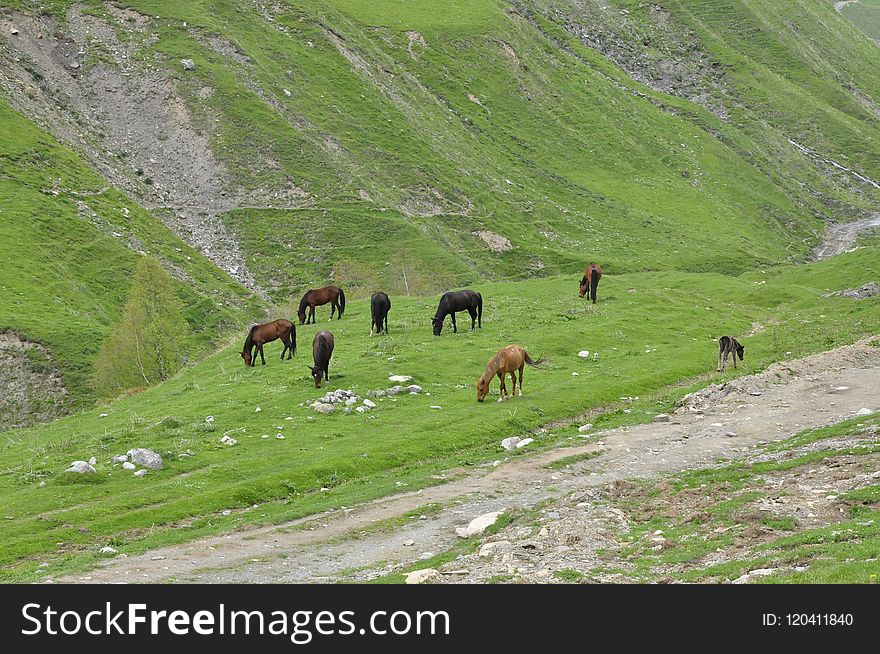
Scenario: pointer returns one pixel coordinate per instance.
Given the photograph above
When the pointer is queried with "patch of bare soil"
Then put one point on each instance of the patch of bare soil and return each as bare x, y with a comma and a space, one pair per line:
31, 387
841, 238
495, 242
726, 421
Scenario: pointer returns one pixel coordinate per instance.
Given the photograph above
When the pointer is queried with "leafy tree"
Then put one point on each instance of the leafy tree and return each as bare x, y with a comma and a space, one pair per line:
144, 347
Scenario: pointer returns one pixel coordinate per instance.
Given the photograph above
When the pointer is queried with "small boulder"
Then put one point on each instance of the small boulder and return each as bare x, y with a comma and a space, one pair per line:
107, 550
188, 64
661, 417
422, 576
478, 525
510, 443
362, 409
583, 354
119, 458
324, 407
141, 472
81, 467
369, 404
379, 393
400, 378
129, 466
145, 458
585, 428
394, 390
414, 389
524, 442
864, 411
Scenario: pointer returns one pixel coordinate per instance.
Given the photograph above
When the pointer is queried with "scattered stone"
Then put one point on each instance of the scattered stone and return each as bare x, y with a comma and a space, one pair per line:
103, 415
584, 354
324, 407
422, 576
394, 390
93, 461
119, 458
287, 93
228, 441
13, 31
409, 543
760, 572
379, 393
369, 404
280, 437
864, 411
435, 406
585, 428
661, 417
414, 389
209, 419
107, 550
188, 64
400, 378
488, 549
510, 443
81, 467
731, 434
575, 374
524, 442
862, 292
361, 409
146, 458
128, 466
478, 525
141, 472
257, 410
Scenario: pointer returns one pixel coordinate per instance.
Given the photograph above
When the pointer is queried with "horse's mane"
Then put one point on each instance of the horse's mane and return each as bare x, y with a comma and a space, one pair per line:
250, 338
303, 302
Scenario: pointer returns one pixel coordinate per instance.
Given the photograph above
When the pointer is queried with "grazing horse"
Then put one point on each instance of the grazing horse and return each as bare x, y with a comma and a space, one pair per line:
453, 301
319, 296
590, 281
322, 350
508, 360
379, 307
729, 346
265, 333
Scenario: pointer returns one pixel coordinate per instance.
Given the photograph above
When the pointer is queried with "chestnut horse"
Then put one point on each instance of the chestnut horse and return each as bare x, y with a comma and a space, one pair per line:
322, 350
508, 360
265, 333
317, 297
590, 281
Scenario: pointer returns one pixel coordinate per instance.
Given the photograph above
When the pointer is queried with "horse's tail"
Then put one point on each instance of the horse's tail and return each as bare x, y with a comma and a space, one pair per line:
531, 362
341, 301
480, 310
594, 283
293, 335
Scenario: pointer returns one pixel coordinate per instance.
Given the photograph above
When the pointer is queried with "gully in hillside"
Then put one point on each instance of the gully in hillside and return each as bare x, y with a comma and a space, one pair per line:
259, 335
507, 361
320, 296
454, 301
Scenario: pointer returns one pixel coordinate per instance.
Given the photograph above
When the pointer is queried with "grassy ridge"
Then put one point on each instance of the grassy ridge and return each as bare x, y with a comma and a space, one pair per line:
651, 331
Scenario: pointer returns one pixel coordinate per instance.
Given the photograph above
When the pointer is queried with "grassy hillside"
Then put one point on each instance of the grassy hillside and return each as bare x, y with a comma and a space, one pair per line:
865, 15
68, 247
652, 331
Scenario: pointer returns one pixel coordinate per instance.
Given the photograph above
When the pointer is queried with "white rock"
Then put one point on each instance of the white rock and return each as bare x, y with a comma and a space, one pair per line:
188, 64
80, 467
287, 93
400, 378
422, 576
103, 415
369, 404
119, 458
524, 442
661, 417
488, 549
510, 443
414, 389
362, 409
478, 525
108, 550
93, 461
128, 466
324, 408
760, 572
146, 458
585, 428
436, 406
409, 543
209, 419
141, 472
280, 437
583, 354
257, 410
864, 411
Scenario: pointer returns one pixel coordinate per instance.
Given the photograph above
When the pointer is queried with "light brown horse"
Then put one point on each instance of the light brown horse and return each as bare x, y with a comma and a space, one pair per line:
590, 281
317, 297
265, 333
508, 360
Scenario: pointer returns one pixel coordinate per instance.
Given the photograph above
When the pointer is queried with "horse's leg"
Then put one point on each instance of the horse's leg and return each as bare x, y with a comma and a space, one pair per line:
521, 368
253, 356
261, 354
513, 377
473, 313
454, 326
386, 323
312, 314
332, 308
724, 361
502, 389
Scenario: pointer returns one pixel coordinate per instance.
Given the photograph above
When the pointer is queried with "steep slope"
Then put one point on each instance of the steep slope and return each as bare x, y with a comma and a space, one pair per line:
417, 148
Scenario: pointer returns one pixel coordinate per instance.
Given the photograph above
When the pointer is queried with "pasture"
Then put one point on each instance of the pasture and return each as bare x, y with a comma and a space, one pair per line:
652, 331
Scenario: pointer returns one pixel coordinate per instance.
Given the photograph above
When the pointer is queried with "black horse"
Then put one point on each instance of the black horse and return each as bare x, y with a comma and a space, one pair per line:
379, 307
322, 350
453, 301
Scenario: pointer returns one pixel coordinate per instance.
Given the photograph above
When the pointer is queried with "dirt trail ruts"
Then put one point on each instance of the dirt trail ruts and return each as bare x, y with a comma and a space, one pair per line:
785, 398
840, 238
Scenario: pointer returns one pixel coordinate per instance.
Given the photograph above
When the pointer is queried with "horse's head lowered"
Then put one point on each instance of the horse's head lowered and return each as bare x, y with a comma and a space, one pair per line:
584, 287
246, 355
438, 325
317, 374
482, 388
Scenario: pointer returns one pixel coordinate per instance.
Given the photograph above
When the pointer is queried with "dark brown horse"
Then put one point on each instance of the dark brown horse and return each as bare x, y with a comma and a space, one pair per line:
317, 297
590, 281
380, 305
265, 333
322, 350
454, 301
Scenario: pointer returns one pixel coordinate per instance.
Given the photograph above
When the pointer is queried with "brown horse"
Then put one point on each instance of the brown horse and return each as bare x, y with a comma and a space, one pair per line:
322, 350
317, 297
508, 360
265, 333
590, 281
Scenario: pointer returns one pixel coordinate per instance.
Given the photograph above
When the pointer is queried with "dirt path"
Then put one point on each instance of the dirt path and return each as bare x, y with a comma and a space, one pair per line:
840, 238
723, 420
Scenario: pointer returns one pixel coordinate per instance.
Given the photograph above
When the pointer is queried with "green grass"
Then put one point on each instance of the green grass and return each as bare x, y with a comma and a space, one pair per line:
354, 457
865, 15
